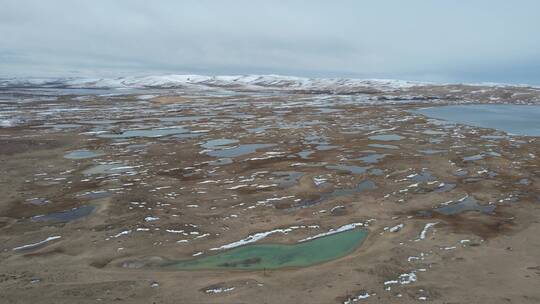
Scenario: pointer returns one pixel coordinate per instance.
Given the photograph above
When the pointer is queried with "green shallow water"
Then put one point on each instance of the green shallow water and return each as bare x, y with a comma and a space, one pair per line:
274, 256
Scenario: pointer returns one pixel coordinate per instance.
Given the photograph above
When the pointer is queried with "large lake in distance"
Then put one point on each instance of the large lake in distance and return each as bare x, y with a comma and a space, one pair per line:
512, 119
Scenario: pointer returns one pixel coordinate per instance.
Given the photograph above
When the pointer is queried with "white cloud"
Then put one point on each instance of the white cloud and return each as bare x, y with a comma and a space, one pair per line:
383, 38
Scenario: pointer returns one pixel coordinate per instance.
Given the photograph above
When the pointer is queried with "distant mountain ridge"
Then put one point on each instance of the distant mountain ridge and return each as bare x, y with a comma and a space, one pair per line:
239, 83
243, 81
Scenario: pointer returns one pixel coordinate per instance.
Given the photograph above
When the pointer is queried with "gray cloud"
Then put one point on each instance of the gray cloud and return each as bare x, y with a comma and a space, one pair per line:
474, 40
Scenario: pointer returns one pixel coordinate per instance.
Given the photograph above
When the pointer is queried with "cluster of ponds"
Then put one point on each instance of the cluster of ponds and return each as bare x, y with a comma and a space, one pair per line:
198, 126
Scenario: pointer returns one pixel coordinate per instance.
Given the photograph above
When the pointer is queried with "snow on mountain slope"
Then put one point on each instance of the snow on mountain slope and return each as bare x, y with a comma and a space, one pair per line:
241, 82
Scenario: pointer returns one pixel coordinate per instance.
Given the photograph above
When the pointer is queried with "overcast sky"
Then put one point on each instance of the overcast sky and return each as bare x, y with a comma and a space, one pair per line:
467, 40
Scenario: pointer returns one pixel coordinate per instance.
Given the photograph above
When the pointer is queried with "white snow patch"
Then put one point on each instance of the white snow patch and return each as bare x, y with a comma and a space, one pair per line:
259, 236
396, 228
50, 238
334, 231
219, 290
425, 230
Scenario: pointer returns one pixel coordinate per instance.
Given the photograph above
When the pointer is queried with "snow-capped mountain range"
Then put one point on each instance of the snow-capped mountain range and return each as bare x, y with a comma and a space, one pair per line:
240, 82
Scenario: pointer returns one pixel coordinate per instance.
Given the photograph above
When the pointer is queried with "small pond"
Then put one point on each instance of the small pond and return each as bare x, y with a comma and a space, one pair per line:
275, 256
